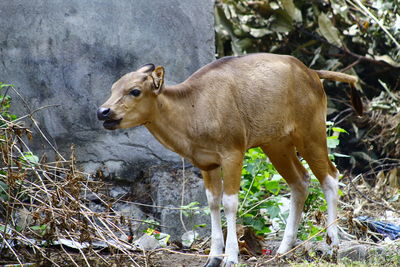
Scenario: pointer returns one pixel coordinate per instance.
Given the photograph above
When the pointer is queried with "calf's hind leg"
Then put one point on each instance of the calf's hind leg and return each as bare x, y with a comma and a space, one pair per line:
316, 155
283, 156
312, 146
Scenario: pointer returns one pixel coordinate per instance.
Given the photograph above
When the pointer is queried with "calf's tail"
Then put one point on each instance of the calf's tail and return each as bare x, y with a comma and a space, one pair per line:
342, 77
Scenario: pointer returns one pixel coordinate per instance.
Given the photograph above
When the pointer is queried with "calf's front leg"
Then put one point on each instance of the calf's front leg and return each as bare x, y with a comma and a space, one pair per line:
224, 182
213, 185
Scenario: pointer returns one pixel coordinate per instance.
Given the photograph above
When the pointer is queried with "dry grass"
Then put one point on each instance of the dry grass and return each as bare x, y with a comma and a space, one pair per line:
44, 209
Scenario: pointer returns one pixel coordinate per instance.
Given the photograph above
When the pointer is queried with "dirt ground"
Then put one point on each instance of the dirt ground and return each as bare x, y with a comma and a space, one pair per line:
350, 254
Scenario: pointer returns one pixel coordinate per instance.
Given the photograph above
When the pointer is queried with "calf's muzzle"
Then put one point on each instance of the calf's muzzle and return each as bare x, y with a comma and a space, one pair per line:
103, 113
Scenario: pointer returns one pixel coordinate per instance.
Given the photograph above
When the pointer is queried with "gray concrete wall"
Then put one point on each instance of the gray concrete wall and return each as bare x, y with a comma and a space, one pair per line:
69, 53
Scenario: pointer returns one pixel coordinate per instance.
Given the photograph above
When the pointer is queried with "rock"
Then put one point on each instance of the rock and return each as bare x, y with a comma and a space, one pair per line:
147, 242
252, 259
354, 252
119, 191
167, 192
188, 238
96, 207
128, 210
68, 53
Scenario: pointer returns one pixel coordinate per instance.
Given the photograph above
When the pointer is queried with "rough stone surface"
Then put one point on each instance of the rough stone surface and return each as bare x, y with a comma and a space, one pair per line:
167, 192
68, 53
147, 242
354, 252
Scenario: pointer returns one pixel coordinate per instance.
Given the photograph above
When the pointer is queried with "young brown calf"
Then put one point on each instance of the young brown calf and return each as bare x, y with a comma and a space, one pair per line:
235, 103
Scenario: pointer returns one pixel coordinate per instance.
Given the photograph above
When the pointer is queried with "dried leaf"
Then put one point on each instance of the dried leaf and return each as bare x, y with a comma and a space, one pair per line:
249, 243
394, 179
258, 33
388, 60
328, 31
380, 182
292, 10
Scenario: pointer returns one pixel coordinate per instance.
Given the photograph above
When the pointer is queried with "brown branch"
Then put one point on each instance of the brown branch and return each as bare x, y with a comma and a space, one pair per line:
350, 66
363, 58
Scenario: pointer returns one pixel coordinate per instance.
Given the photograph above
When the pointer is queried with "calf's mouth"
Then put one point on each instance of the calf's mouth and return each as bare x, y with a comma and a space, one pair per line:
111, 124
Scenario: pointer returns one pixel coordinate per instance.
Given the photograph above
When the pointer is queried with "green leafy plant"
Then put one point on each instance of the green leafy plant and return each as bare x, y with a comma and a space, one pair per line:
192, 209
264, 194
258, 196
40, 230
5, 104
29, 159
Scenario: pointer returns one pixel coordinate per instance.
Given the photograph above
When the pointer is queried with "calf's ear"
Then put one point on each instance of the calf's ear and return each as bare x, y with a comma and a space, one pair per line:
158, 79
146, 68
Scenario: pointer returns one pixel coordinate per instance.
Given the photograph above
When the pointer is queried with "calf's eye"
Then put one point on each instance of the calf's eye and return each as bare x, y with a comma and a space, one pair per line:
135, 92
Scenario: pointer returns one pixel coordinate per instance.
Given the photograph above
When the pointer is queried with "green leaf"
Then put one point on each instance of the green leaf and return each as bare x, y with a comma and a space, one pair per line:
273, 211
341, 155
273, 187
328, 31
332, 142
3, 191
39, 227
29, 158
340, 192
5, 85
339, 130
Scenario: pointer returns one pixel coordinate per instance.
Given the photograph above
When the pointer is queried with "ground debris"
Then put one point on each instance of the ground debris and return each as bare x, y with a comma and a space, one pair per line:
45, 218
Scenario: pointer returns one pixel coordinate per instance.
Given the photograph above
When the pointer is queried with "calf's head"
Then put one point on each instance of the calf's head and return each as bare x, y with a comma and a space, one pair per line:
133, 98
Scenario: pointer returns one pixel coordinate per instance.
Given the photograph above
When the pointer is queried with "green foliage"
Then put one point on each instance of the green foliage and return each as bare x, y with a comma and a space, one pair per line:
29, 159
5, 104
258, 196
323, 34
39, 229
261, 206
191, 209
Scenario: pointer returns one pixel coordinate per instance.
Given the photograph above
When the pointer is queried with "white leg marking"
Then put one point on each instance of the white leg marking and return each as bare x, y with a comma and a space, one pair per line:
217, 238
230, 203
299, 192
330, 188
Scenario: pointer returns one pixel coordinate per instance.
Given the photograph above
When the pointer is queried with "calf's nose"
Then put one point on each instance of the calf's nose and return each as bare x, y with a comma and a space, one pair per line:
103, 113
